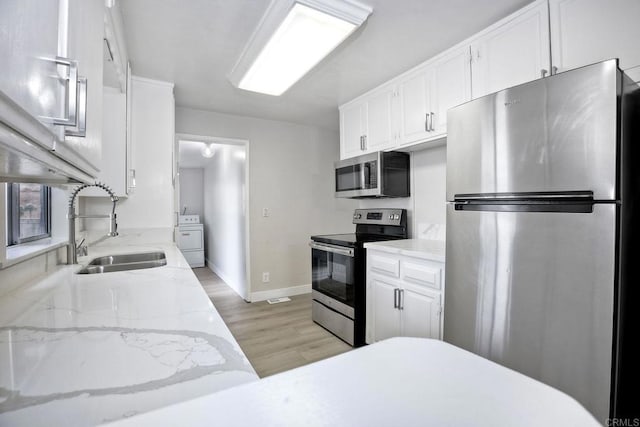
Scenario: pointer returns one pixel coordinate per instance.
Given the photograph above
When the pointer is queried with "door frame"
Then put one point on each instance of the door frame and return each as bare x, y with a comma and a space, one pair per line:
245, 196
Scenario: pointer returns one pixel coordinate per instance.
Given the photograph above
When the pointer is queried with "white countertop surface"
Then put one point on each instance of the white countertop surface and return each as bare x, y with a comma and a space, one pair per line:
433, 250
87, 349
397, 382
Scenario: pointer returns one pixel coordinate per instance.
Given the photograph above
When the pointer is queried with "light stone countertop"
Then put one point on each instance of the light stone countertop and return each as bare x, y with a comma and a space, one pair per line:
433, 250
92, 348
394, 382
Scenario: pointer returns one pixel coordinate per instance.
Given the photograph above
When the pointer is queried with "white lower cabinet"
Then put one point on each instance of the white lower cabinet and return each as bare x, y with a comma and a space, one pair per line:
404, 296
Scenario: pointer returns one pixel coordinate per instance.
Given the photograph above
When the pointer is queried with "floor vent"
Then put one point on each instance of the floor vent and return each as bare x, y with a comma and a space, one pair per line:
277, 300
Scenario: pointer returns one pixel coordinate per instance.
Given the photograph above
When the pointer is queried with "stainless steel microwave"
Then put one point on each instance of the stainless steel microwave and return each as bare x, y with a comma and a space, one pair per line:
379, 174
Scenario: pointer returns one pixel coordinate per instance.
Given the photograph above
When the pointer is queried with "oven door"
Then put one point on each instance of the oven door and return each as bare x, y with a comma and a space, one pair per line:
333, 276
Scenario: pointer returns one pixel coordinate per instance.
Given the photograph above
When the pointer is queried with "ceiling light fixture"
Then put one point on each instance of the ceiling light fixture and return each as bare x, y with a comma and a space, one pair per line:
292, 37
207, 151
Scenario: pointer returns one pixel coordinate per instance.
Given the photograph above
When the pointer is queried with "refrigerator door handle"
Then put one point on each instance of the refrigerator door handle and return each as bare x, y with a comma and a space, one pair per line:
570, 202
553, 196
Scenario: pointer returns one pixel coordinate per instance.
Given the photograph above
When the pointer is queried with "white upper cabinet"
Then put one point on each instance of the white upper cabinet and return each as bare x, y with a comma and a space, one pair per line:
415, 105
427, 93
512, 52
85, 38
32, 76
588, 31
379, 123
411, 109
369, 123
352, 129
51, 85
114, 144
450, 86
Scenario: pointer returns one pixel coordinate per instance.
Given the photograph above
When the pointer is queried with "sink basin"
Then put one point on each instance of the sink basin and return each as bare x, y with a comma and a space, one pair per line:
110, 263
129, 258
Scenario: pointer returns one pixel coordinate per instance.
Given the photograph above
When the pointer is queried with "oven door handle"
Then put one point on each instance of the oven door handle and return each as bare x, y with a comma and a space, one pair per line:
333, 249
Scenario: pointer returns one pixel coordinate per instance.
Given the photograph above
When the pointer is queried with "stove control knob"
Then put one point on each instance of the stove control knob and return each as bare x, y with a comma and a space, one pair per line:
396, 216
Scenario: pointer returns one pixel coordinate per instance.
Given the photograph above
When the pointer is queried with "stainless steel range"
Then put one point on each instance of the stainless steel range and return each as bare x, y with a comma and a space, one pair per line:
338, 271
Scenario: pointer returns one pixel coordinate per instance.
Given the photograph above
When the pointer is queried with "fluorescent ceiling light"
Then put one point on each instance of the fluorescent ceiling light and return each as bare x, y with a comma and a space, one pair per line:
291, 39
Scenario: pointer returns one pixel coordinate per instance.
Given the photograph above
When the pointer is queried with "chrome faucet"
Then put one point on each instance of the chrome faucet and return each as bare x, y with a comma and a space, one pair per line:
72, 248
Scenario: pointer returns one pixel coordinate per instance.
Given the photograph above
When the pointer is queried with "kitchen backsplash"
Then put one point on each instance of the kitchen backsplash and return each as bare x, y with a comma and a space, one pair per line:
426, 208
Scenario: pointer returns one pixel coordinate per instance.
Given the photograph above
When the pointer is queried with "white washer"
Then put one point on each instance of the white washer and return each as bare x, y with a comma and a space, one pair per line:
190, 239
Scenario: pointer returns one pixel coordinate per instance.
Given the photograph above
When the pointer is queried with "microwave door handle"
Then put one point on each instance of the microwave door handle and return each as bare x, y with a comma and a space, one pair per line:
364, 176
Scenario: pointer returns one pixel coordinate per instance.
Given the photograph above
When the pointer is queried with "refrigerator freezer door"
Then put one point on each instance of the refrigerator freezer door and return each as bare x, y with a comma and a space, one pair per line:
534, 292
555, 134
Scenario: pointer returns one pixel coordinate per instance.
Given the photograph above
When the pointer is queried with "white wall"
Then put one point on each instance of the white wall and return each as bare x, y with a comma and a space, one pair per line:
291, 174
224, 216
427, 204
192, 191
152, 133
429, 189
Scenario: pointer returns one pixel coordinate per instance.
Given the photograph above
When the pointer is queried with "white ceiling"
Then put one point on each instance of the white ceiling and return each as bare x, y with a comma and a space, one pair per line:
195, 43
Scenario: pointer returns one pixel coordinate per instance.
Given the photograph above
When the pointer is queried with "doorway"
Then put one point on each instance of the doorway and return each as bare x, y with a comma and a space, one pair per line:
213, 182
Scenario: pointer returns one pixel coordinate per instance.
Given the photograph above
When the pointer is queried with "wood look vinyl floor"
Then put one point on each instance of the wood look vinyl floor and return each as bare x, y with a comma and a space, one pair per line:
275, 337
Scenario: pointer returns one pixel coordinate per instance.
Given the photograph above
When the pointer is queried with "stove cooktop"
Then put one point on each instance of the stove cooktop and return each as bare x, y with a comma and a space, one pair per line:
352, 239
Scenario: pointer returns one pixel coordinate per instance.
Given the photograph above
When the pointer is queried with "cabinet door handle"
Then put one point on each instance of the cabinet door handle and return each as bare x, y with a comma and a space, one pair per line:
81, 106
364, 142
395, 297
400, 299
426, 122
70, 119
186, 234
431, 121
543, 73
554, 70
361, 144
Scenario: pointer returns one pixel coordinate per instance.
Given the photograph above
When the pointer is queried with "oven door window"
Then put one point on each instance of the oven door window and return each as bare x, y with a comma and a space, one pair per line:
332, 275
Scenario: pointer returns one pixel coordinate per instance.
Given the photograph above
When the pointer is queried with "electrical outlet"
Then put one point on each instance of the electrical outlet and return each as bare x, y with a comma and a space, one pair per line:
265, 212
265, 277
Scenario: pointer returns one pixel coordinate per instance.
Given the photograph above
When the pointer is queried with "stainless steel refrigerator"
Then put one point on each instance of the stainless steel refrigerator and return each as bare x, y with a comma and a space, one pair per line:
541, 219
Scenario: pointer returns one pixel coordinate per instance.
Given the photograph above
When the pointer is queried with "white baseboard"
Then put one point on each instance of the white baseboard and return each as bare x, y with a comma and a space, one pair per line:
226, 279
282, 292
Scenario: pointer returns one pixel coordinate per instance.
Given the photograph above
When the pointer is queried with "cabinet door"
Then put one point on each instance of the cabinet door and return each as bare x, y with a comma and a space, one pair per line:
450, 86
351, 130
513, 53
414, 107
385, 317
421, 312
379, 120
114, 141
588, 31
29, 77
85, 38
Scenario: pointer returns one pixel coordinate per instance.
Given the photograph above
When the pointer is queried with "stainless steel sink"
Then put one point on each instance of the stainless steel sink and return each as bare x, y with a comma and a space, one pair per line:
126, 262
129, 258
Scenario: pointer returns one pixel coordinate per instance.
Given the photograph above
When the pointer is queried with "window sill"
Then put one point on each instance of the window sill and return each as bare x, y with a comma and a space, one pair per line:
25, 251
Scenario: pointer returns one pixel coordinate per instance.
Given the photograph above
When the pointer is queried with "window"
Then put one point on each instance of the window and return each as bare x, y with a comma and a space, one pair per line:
28, 213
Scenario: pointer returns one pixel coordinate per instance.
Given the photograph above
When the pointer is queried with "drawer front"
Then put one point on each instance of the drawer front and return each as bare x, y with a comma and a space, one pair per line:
384, 265
190, 239
420, 274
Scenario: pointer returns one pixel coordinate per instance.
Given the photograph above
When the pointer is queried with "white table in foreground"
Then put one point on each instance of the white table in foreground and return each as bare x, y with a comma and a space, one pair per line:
397, 382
